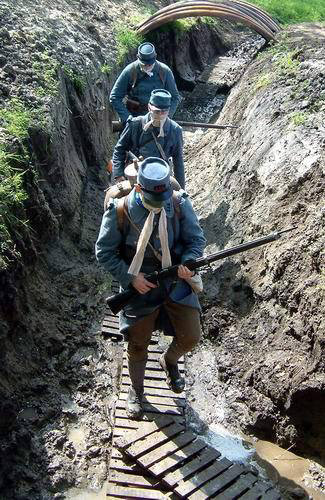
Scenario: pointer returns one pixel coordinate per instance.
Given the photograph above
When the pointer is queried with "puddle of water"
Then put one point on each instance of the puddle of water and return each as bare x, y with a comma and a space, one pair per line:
78, 437
279, 465
80, 494
28, 414
230, 446
286, 467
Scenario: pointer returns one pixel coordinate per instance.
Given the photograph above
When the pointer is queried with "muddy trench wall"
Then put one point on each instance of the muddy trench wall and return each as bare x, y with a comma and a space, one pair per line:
51, 297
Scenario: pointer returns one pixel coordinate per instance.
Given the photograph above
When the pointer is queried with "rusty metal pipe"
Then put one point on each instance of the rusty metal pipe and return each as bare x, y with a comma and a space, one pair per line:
268, 35
249, 8
237, 11
197, 10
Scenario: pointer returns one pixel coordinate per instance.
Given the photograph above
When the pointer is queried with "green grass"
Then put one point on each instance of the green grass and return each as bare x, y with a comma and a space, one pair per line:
298, 118
263, 81
293, 11
126, 40
77, 80
15, 119
12, 196
46, 69
106, 69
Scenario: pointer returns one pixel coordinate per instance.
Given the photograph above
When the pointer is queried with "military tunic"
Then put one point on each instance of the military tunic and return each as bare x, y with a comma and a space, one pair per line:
186, 242
141, 143
145, 84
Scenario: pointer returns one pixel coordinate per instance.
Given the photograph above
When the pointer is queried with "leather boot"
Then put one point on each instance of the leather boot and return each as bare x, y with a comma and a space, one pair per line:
135, 396
174, 379
134, 408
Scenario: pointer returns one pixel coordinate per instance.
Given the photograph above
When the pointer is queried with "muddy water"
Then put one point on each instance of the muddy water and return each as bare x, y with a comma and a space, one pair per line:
286, 468
281, 466
214, 411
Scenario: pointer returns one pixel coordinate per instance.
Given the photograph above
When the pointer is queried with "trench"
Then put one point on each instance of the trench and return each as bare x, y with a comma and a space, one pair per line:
68, 412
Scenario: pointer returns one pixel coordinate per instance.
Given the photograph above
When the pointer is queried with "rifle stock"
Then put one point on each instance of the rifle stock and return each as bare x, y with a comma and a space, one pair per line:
120, 300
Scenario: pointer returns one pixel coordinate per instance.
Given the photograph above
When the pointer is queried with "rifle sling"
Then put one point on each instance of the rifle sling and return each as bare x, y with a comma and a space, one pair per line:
122, 209
159, 146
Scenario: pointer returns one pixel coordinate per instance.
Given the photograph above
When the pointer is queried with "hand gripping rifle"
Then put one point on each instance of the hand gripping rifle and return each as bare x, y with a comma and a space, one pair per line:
120, 300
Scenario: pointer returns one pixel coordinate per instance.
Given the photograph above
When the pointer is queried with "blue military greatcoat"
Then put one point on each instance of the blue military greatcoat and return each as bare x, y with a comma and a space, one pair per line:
141, 143
186, 242
145, 84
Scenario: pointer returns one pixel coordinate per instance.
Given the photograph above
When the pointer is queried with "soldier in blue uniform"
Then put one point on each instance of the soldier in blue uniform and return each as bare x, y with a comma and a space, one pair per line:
169, 234
152, 135
132, 89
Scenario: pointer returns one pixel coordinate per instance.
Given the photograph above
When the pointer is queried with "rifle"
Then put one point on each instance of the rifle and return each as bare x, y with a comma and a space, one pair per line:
118, 126
119, 301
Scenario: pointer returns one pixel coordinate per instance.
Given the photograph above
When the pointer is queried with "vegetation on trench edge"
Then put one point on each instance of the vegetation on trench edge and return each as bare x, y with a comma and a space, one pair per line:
14, 121
293, 11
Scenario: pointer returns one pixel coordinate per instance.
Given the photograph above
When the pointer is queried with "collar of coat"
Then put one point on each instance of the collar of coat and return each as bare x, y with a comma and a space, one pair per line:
167, 124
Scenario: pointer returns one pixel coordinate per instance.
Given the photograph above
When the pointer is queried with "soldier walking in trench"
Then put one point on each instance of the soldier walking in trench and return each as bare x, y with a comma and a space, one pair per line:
160, 228
131, 91
152, 135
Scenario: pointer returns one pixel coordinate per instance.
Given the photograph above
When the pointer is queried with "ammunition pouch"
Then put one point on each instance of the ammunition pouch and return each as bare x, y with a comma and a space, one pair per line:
135, 107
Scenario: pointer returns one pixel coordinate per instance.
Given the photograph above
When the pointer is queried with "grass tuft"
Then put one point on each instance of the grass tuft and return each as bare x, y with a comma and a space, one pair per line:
293, 11
126, 39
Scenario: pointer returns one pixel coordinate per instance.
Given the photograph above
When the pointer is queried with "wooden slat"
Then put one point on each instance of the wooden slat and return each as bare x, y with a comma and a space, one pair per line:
120, 465
137, 449
110, 329
111, 319
243, 483
153, 408
218, 483
256, 492
154, 365
203, 460
186, 487
149, 415
154, 356
177, 458
120, 492
180, 402
126, 424
110, 325
132, 479
160, 375
152, 391
155, 348
271, 495
144, 429
166, 449
161, 384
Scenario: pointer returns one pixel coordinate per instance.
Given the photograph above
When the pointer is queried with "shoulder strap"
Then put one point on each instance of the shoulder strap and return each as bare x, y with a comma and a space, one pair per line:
159, 146
134, 74
122, 205
123, 215
162, 74
176, 203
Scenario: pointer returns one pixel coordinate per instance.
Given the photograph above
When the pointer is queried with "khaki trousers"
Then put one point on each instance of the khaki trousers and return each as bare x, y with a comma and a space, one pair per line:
186, 324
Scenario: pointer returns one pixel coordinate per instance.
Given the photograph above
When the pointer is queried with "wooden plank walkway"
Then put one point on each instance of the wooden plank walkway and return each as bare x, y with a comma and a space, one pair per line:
158, 457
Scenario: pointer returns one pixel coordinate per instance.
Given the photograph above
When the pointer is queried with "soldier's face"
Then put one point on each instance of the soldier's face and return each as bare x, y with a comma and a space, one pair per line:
146, 67
158, 114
